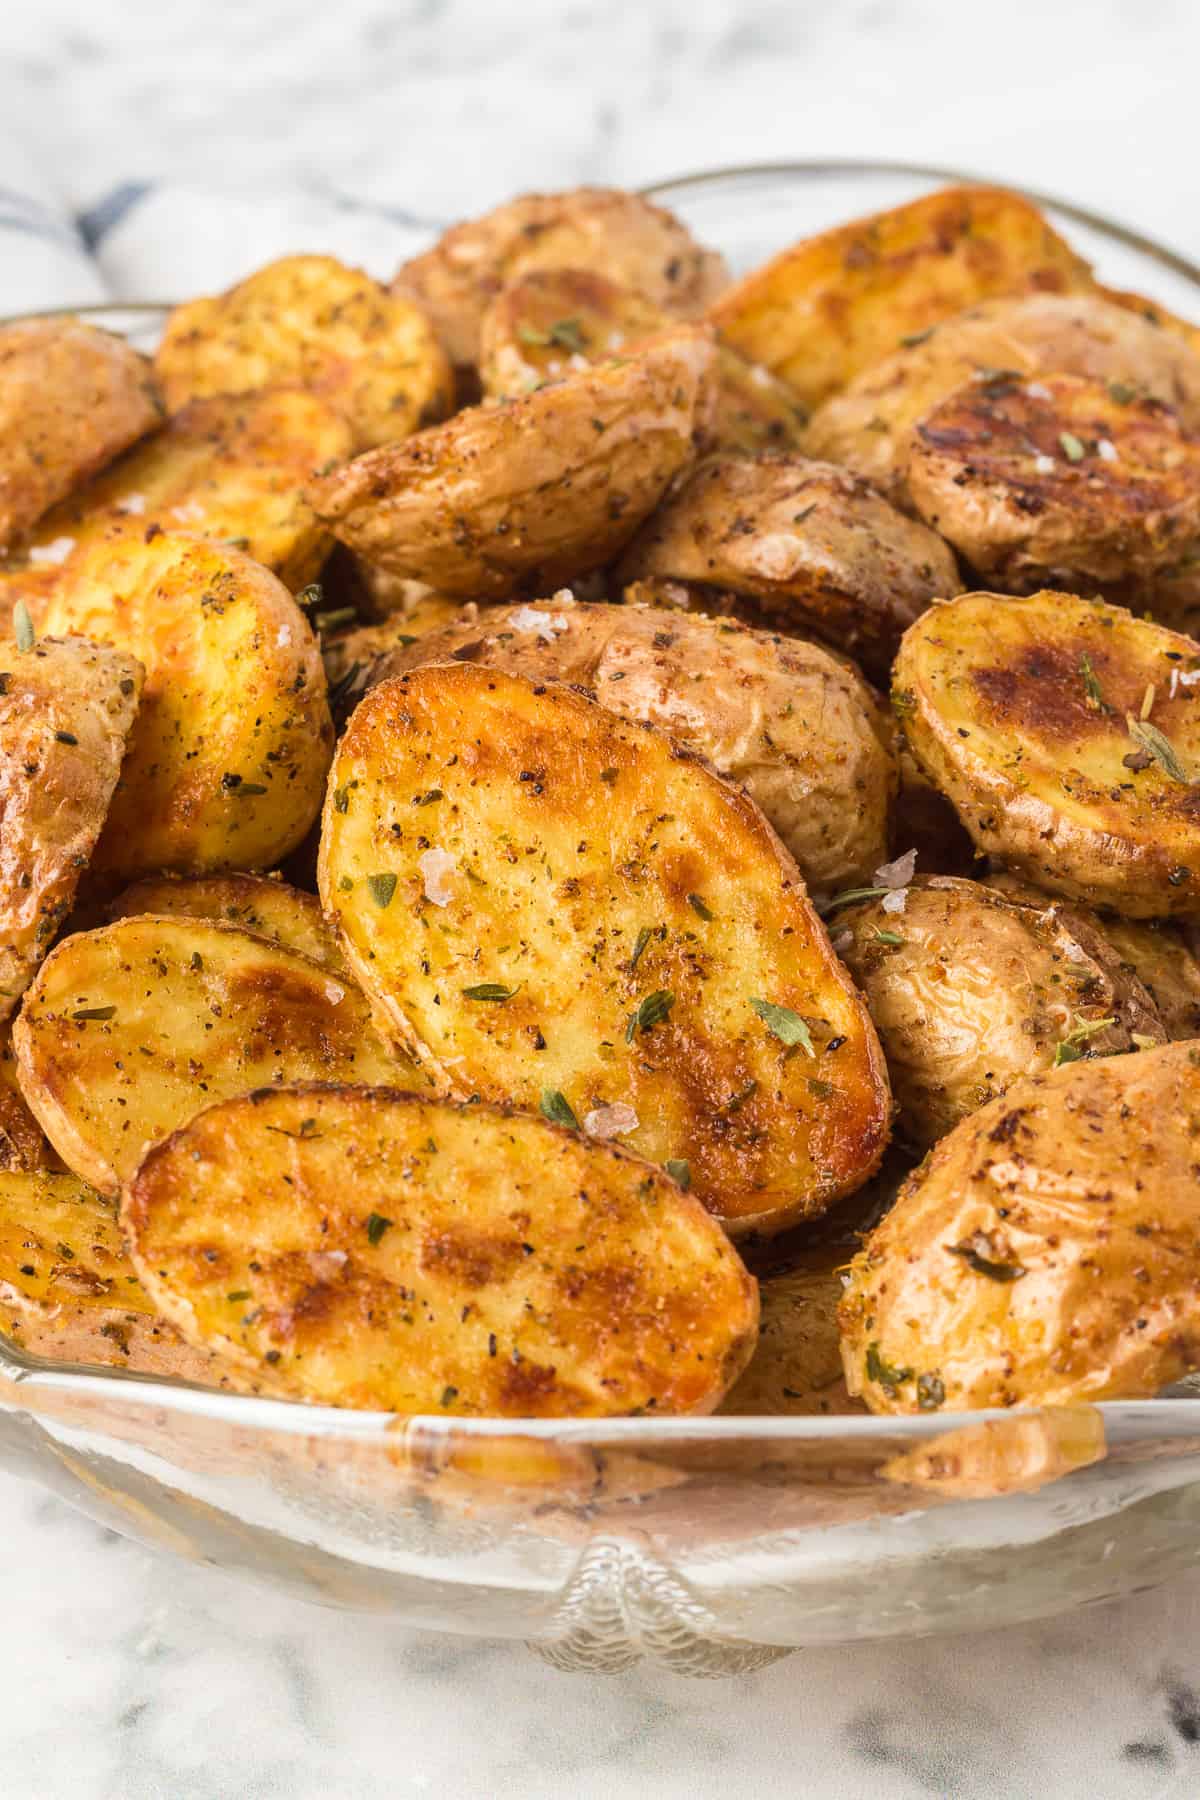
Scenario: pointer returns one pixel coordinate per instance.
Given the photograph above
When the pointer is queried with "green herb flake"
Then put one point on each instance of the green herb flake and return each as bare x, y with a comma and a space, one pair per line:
1159, 747
65, 737
1072, 447
382, 887
979, 1254
1066, 1053
1091, 685
376, 1226
238, 1294
931, 1392
892, 938
245, 789
883, 1372
650, 1012
642, 939
700, 906
26, 636
913, 338
429, 798
784, 1024
1121, 393
557, 1108
679, 1171
490, 990
341, 800
310, 596
848, 896
449, 1396
94, 1012
66, 1252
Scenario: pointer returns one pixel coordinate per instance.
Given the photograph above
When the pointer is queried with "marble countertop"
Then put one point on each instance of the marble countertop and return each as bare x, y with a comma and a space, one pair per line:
127, 1677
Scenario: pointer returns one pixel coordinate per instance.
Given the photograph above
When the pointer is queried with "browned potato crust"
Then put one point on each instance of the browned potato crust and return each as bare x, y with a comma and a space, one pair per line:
312, 322
810, 547
621, 235
229, 751
552, 905
970, 989
1045, 1252
797, 1364
368, 1248
257, 903
23, 1144
66, 710
530, 492
351, 657
1163, 959
1156, 313
839, 302
130, 1028
1067, 736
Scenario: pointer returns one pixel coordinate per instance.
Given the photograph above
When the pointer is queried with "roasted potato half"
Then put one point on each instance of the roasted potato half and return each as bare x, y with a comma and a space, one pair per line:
131, 1028
257, 903
797, 1363
802, 545
23, 1143
1066, 733
229, 751
555, 907
1045, 1252
311, 322
67, 708
71, 398
798, 728
531, 492
840, 302
970, 989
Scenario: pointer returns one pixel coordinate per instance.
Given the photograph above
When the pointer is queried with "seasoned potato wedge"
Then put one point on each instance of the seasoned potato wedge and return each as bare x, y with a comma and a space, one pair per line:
229, 750
625, 237
807, 546
1067, 736
795, 726
839, 302
130, 1028
970, 988
312, 322
531, 492
1164, 960
256, 903
351, 657
71, 398
552, 905
364, 1247
1045, 1252
23, 1143
797, 1363
67, 707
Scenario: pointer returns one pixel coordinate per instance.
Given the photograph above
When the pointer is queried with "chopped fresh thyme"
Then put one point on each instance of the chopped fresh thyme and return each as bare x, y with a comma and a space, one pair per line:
849, 895
698, 905
490, 990
377, 1224
1072, 447
557, 1108
94, 1012
979, 1254
680, 1171
643, 938
888, 937
1091, 685
1152, 740
884, 1372
650, 1012
382, 888
784, 1024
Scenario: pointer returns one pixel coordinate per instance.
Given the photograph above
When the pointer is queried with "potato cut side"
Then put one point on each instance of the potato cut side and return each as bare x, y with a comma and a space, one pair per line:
259, 903
23, 1143
67, 707
555, 907
71, 398
839, 302
797, 1363
367, 1248
1046, 1251
131, 1028
228, 755
533, 491
312, 322
1067, 735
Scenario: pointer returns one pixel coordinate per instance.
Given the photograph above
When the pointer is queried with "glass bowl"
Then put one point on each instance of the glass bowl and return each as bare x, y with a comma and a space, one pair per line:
712, 1545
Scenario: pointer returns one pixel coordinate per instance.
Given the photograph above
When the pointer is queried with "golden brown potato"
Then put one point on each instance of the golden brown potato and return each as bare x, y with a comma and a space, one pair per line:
258, 903
620, 235
1066, 735
229, 751
67, 707
352, 656
552, 905
1045, 1252
531, 492
71, 398
839, 302
970, 988
313, 323
131, 1028
805, 545
1156, 313
796, 727
797, 1364
23, 1144
1163, 958
368, 1248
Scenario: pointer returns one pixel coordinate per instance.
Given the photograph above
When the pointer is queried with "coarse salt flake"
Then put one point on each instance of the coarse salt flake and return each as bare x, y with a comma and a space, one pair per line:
610, 1121
189, 513
895, 901
899, 873
1037, 391
1044, 464
1106, 449
436, 866
543, 625
133, 505
283, 637
56, 551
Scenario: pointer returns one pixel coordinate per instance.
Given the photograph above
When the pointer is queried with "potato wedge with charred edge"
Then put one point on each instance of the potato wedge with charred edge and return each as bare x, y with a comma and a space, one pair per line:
71, 398
1068, 744
839, 302
797, 1363
256, 903
67, 707
415, 1256
531, 492
229, 751
803, 546
624, 236
130, 1028
799, 729
970, 989
312, 322
1045, 1252
553, 906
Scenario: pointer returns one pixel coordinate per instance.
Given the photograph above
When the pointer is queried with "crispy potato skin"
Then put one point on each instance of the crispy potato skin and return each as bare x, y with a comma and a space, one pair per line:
840, 302
23, 1144
312, 322
797, 1365
628, 239
993, 694
481, 829
257, 903
981, 989
229, 751
519, 1271
785, 719
71, 398
1083, 1180
67, 707
804, 545
200, 1011
532, 492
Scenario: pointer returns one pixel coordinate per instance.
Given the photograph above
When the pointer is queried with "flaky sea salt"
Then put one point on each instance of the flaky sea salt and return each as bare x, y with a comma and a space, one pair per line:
56, 551
897, 874
895, 901
610, 1121
436, 867
544, 625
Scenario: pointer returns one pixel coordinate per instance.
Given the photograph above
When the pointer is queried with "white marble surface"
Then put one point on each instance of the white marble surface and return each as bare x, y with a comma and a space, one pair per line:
123, 1676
